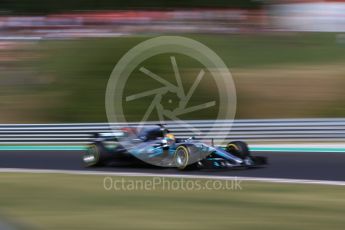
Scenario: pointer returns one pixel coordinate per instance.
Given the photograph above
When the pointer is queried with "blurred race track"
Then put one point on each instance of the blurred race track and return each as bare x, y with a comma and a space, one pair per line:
296, 165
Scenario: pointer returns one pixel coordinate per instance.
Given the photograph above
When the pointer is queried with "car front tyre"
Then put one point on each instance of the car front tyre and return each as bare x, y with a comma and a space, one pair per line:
239, 149
181, 157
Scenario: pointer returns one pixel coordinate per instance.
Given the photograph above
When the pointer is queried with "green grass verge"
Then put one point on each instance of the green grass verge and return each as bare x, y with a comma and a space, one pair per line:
276, 76
81, 70
80, 202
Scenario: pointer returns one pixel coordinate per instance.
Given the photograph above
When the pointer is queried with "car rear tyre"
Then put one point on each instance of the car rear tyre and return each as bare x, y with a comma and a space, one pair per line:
239, 149
93, 155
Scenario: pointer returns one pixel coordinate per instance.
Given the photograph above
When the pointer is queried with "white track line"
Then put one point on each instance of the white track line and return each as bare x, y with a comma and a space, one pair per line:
134, 174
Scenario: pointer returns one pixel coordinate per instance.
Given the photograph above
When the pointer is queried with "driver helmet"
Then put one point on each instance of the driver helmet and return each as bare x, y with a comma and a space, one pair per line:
170, 138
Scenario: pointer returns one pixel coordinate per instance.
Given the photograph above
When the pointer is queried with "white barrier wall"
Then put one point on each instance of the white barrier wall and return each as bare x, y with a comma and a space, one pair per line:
252, 131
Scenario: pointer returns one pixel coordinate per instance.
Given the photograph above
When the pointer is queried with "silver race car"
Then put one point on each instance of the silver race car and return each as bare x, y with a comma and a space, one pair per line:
155, 145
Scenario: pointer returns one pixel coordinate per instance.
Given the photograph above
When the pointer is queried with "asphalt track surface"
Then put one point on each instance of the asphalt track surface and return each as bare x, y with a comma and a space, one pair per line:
287, 165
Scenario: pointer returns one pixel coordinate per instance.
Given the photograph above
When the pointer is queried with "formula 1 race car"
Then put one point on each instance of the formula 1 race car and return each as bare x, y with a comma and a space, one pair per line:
155, 145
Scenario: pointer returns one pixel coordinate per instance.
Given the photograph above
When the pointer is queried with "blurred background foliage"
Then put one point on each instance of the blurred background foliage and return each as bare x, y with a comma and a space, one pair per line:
56, 56
52, 6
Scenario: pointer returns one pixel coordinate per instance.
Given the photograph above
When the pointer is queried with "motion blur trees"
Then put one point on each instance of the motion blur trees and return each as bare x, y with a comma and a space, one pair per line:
52, 6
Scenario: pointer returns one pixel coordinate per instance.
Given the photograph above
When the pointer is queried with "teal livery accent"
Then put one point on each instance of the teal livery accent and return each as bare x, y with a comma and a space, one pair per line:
42, 148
